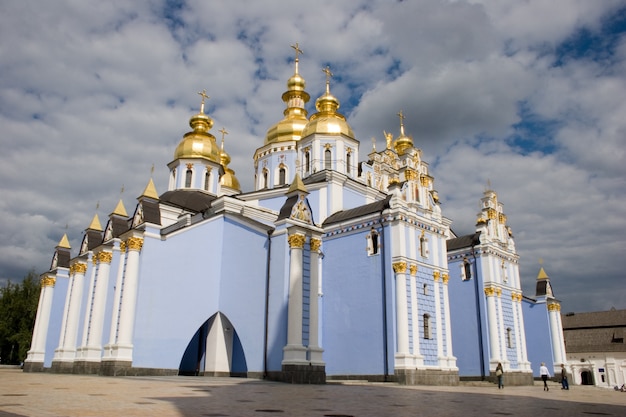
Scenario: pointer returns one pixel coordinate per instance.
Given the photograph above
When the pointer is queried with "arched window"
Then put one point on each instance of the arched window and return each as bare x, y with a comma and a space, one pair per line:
466, 272
265, 178
425, 289
423, 241
281, 176
328, 164
373, 242
307, 161
509, 337
207, 179
348, 161
188, 175
427, 331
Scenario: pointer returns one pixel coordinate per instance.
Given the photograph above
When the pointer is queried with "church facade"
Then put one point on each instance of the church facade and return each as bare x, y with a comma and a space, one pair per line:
329, 268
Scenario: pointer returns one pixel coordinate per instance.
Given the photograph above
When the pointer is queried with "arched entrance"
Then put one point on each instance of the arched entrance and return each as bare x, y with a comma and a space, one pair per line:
586, 378
214, 350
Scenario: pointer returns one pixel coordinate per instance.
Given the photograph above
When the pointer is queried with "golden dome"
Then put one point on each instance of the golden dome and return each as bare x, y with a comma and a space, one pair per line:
290, 128
327, 120
198, 143
227, 179
403, 142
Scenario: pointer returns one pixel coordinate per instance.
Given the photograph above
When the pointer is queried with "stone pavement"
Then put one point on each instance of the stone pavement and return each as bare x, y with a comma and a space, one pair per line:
46, 395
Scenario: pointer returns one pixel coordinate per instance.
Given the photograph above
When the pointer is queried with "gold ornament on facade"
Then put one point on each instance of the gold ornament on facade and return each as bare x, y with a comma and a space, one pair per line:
296, 241
122, 247
78, 268
490, 291
315, 244
48, 281
502, 218
134, 243
105, 257
445, 278
410, 174
436, 275
554, 307
499, 292
491, 214
399, 267
413, 269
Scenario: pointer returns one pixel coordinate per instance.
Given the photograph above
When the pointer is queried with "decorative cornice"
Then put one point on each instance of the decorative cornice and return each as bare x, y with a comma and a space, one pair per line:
105, 257
134, 243
413, 269
315, 244
399, 267
296, 241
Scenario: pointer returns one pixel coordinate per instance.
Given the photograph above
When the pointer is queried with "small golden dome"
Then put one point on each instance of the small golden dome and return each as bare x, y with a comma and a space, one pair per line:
403, 142
230, 180
290, 128
327, 120
198, 143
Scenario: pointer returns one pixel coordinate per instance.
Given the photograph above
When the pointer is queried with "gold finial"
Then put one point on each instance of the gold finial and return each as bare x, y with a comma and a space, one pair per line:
223, 131
328, 75
401, 116
152, 170
204, 97
373, 144
122, 190
97, 205
298, 52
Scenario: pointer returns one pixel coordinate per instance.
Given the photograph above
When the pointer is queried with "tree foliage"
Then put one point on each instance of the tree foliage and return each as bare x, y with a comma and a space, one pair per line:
18, 309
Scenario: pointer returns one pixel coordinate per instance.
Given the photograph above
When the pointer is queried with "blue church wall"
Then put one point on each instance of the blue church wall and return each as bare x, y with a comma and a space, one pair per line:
466, 333
353, 307
538, 336
426, 303
56, 318
215, 279
509, 322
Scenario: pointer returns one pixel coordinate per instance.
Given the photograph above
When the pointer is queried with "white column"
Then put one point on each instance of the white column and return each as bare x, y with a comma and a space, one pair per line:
116, 301
315, 350
492, 323
294, 352
553, 312
446, 310
42, 320
123, 349
502, 330
87, 309
403, 357
67, 349
93, 351
438, 313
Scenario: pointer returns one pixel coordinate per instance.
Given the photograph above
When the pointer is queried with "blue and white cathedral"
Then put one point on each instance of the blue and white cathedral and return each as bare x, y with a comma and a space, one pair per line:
331, 268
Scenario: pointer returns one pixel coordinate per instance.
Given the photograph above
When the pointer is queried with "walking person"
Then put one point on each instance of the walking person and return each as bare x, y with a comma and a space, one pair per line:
499, 375
564, 383
545, 374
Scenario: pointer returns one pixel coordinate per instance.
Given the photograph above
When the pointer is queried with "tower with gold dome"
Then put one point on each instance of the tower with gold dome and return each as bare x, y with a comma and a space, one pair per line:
329, 268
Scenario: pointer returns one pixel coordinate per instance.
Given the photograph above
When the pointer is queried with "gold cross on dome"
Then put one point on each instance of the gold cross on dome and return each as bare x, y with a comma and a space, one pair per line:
223, 131
296, 48
328, 73
204, 97
401, 116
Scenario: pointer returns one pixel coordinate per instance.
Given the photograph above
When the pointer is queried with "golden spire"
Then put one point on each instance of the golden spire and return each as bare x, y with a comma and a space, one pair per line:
150, 191
120, 210
297, 185
64, 242
95, 223
328, 76
401, 116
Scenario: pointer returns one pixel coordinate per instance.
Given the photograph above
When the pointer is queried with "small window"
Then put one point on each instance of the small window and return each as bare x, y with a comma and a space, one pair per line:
328, 159
265, 178
281, 176
425, 289
348, 162
423, 248
509, 338
466, 270
188, 175
207, 181
307, 161
373, 242
427, 331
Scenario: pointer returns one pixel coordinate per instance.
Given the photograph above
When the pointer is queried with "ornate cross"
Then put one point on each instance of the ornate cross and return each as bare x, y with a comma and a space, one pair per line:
223, 131
204, 97
297, 49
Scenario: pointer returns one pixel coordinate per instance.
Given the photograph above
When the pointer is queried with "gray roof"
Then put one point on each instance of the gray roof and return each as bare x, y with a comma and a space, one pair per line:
462, 242
192, 200
343, 215
601, 331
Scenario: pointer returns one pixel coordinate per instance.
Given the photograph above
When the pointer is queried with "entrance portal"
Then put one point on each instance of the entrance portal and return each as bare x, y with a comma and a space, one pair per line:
214, 350
586, 378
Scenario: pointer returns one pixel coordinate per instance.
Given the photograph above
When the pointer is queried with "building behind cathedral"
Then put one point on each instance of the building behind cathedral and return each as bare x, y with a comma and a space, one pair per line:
330, 268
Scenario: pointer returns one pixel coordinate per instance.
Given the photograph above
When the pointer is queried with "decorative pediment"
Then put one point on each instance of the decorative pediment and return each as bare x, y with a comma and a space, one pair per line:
301, 211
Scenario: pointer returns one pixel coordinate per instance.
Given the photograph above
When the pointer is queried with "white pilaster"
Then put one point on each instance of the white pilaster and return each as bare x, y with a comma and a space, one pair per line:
555, 331
116, 300
294, 353
67, 347
123, 349
315, 350
438, 313
492, 323
93, 349
42, 320
403, 357
446, 311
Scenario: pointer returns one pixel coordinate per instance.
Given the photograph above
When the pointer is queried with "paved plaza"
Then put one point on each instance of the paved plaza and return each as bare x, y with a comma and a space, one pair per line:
46, 394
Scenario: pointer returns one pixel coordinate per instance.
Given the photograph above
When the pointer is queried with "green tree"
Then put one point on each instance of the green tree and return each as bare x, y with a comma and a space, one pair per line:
18, 309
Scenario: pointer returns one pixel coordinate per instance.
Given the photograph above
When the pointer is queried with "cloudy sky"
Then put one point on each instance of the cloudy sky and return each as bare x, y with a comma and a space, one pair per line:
529, 96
